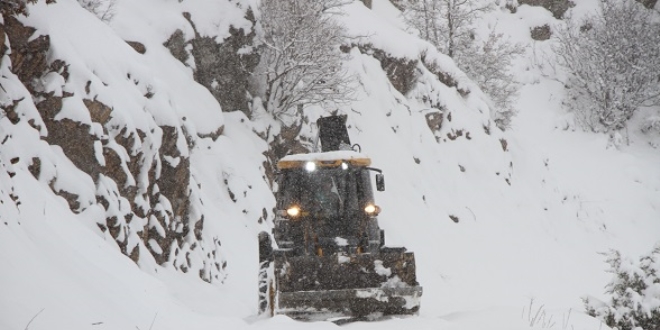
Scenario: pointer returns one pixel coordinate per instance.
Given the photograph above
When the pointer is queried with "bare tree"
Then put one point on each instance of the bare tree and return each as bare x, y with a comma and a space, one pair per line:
14, 7
489, 63
449, 25
611, 63
425, 17
301, 60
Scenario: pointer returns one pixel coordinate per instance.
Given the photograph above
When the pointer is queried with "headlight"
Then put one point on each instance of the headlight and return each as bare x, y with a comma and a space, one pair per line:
293, 211
372, 209
310, 166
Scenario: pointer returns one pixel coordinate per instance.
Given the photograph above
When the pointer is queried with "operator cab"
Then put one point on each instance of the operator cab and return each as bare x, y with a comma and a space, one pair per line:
326, 200
329, 253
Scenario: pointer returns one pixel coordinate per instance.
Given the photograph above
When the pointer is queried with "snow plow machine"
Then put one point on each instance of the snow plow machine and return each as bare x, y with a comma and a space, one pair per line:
328, 260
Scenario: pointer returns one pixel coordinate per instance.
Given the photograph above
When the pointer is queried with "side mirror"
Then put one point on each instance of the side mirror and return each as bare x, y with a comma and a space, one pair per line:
380, 182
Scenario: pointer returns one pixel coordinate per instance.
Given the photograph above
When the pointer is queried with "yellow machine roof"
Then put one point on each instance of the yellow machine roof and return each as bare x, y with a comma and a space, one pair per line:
324, 159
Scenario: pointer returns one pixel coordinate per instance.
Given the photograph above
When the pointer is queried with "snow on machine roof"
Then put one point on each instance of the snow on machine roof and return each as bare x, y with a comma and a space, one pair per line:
324, 159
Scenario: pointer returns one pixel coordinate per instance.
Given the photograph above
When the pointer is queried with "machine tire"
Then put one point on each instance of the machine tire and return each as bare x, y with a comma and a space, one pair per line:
266, 288
266, 283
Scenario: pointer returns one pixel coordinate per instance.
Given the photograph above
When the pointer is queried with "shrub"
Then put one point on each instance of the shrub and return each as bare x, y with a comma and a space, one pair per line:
611, 61
487, 59
634, 293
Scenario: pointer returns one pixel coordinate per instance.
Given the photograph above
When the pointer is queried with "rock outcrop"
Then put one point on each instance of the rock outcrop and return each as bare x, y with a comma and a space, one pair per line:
138, 175
556, 7
222, 67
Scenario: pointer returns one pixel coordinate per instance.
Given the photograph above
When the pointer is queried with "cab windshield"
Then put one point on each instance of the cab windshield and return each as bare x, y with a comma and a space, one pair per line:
326, 192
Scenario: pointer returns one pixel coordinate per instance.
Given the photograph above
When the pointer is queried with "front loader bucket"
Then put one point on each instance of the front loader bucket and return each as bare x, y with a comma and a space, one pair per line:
363, 285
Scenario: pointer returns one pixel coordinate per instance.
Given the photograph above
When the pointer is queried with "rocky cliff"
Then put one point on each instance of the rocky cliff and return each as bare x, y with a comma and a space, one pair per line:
114, 139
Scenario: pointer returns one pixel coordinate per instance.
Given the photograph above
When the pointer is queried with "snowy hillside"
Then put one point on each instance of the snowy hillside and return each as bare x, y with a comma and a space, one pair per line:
131, 192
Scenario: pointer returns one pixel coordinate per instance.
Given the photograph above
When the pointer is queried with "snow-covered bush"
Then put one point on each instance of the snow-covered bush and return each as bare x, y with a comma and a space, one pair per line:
634, 291
611, 62
651, 124
450, 26
488, 63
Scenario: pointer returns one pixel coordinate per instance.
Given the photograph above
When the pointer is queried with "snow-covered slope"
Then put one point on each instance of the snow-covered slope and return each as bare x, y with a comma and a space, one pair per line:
503, 224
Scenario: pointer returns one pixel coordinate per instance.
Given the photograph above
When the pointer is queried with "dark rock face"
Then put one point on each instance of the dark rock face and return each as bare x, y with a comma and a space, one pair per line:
222, 71
174, 185
139, 47
220, 67
3, 46
556, 7
650, 4
28, 57
99, 112
400, 71
11, 113
177, 46
142, 179
434, 121
10, 8
541, 33
76, 142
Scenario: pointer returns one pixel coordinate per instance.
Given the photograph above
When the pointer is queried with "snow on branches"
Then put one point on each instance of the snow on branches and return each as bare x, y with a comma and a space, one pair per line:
450, 25
611, 62
301, 60
634, 292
